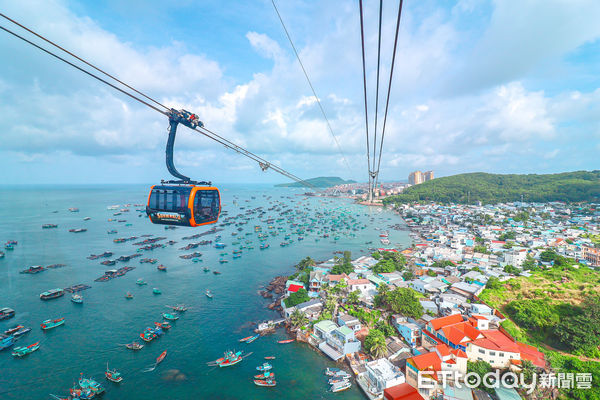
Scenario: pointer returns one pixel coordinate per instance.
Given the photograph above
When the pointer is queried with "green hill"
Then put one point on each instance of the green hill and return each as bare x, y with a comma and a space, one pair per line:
322, 181
495, 188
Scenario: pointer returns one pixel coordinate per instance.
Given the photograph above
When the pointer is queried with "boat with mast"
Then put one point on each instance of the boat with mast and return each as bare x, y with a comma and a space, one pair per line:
23, 351
113, 375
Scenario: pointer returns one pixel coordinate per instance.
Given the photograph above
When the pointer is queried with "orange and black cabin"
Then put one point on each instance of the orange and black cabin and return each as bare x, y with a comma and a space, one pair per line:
184, 205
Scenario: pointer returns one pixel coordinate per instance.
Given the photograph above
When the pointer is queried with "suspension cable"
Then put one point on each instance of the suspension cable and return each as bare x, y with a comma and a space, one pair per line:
387, 101
377, 85
203, 131
82, 60
362, 41
311, 86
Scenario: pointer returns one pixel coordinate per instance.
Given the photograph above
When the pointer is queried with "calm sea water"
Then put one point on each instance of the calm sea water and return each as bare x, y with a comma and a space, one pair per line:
90, 337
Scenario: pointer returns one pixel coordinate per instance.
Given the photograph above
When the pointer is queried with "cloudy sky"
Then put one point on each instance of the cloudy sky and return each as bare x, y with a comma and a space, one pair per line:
509, 86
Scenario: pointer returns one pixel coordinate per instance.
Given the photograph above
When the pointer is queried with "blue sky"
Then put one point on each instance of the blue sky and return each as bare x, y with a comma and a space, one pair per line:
496, 86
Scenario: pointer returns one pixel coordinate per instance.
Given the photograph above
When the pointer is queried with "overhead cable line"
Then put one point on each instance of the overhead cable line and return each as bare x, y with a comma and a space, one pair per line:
311, 87
362, 40
377, 90
264, 164
387, 101
82, 60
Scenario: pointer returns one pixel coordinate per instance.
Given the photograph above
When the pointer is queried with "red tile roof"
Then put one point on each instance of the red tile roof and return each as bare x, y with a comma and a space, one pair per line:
294, 288
444, 321
459, 353
443, 349
457, 333
496, 340
428, 361
532, 354
402, 392
358, 282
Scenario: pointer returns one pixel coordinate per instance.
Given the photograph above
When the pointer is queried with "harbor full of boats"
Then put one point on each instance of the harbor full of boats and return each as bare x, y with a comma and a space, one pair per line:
219, 287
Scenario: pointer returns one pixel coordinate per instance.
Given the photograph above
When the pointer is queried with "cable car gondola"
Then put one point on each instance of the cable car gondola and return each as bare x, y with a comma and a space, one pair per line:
183, 202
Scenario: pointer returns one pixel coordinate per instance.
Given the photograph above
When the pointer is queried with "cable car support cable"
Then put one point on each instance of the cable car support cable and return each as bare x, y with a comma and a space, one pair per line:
362, 40
387, 101
311, 87
264, 164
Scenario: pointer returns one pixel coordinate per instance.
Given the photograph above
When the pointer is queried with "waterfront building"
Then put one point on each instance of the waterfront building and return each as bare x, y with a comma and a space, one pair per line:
402, 392
379, 375
349, 321
335, 341
409, 331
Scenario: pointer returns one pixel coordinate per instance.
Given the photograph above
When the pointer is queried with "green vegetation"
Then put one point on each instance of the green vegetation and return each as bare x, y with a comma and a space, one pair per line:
559, 306
343, 265
401, 300
566, 364
296, 298
495, 188
480, 368
388, 262
322, 181
375, 343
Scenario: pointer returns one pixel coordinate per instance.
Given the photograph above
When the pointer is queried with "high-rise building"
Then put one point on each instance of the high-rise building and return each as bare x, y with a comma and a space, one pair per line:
417, 177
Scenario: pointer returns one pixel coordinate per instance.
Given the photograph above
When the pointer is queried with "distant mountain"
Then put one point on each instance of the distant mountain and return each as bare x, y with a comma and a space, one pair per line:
322, 181
495, 188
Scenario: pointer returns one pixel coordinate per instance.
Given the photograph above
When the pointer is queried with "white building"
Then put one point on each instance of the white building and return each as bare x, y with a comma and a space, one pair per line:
382, 374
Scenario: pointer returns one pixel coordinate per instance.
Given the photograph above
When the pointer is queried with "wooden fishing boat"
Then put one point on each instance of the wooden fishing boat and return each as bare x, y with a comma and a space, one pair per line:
52, 323
208, 293
216, 273
252, 339
129, 296
245, 339
170, 317
134, 346
160, 358
264, 367
269, 357
77, 298
21, 332
265, 383
113, 375
140, 282
156, 291
229, 358
338, 387
206, 269
265, 375
161, 268
286, 341
13, 330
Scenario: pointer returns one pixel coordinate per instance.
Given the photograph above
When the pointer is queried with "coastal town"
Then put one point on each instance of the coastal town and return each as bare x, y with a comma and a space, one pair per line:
408, 321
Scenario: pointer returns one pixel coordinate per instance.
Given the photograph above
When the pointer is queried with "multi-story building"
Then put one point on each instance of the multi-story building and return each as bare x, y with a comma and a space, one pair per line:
591, 255
417, 177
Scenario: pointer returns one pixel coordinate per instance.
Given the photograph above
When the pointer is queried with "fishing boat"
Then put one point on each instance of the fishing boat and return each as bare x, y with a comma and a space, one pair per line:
161, 268
265, 375
340, 386
13, 330
286, 341
6, 341
134, 346
52, 294
252, 338
245, 339
337, 379
21, 332
23, 351
216, 273
160, 358
208, 293
229, 358
91, 385
113, 375
77, 298
223, 260
269, 357
128, 295
156, 291
52, 323
331, 371
163, 325
6, 313
148, 335
206, 269
220, 245
170, 317
265, 383
140, 282
264, 367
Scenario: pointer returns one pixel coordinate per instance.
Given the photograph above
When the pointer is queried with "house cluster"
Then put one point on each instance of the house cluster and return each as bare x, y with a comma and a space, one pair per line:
457, 250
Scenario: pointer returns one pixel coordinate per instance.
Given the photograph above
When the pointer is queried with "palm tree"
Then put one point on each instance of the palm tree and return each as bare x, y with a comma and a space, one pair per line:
298, 319
378, 346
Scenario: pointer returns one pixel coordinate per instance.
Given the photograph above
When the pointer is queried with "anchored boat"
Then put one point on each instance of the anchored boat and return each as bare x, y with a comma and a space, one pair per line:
113, 375
52, 323
23, 351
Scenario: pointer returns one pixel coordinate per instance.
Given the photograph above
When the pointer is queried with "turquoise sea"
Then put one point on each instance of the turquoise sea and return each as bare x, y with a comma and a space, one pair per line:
93, 330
